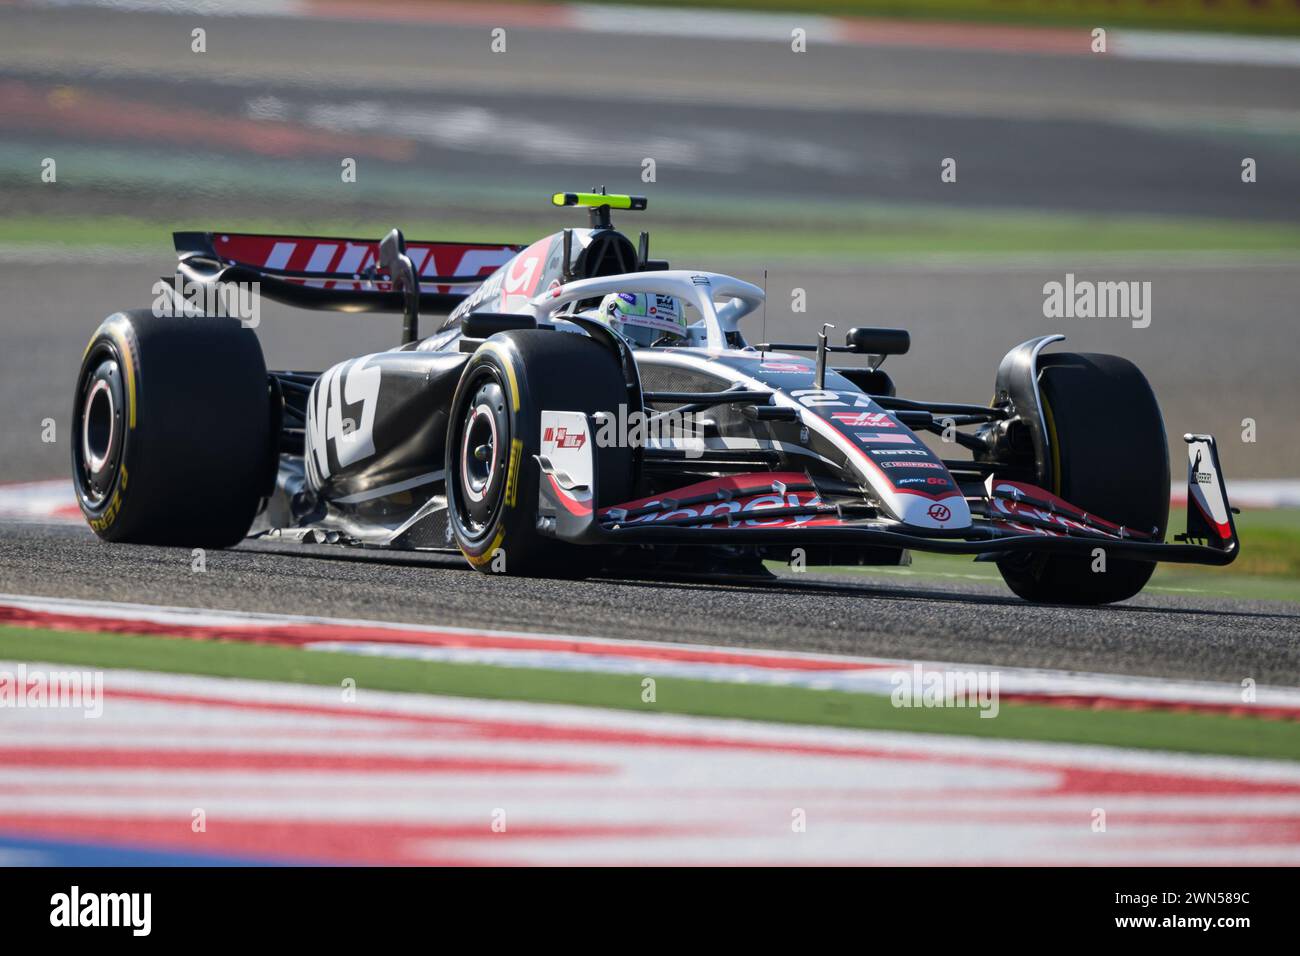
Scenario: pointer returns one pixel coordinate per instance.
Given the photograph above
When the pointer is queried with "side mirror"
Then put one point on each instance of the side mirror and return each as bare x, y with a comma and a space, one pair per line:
878, 341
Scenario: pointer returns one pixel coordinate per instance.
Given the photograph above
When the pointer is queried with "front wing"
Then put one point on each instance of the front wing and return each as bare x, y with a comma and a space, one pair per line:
789, 509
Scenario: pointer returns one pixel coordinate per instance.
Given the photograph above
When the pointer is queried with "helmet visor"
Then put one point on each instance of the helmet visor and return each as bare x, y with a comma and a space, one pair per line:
643, 336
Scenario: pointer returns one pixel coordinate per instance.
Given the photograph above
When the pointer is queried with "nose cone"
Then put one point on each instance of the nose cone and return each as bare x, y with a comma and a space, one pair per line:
922, 511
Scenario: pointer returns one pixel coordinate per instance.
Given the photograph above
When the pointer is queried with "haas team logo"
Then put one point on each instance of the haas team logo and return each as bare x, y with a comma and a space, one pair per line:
939, 512
560, 438
863, 419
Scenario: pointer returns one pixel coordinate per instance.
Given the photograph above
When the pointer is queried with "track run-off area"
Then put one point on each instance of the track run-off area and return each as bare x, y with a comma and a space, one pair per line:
372, 742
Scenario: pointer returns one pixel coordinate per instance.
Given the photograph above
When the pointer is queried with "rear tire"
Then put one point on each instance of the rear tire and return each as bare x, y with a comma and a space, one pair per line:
1109, 456
492, 497
171, 422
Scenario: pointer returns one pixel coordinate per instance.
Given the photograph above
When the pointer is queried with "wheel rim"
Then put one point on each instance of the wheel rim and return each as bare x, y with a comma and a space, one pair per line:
481, 460
99, 431
478, 453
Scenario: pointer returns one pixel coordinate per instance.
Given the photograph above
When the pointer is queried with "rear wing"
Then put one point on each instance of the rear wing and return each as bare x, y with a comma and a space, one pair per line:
338, 274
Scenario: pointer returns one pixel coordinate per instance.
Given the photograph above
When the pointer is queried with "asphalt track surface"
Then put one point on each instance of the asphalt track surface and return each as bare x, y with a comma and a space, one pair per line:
1049, 132
1155, 635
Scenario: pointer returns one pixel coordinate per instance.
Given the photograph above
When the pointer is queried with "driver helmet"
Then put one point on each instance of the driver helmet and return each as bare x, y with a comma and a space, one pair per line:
644, 318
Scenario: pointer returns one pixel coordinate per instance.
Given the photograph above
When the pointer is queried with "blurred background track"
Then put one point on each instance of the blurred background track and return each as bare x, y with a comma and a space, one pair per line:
821, 168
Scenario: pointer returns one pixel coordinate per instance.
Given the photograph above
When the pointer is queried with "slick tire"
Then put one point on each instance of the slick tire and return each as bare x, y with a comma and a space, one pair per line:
171, 430
492, 494
1109, 456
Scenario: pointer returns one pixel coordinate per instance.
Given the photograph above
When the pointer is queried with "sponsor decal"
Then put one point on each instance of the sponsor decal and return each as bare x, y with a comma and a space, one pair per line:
910, 464
352, 437
876, 438
784, 367
114, 506
512, 480
562, 438
864, 419
356, 262
899, 451
1204, 491
1202, 477
522, 276
923, 481
939, 512
747, 512
487, 292
652, 322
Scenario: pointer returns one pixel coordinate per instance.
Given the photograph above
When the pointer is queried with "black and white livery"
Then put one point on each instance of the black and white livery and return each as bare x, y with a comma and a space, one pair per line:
533, 436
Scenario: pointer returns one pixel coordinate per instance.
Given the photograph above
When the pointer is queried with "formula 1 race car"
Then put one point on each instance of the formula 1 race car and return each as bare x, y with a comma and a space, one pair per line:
583, 406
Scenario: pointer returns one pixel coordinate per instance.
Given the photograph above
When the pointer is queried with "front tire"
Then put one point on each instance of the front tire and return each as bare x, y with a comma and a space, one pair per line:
494, 434
171, 423
1109, 456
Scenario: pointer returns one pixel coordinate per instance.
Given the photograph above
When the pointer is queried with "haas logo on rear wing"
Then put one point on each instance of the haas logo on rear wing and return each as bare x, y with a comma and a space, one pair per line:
351, 264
